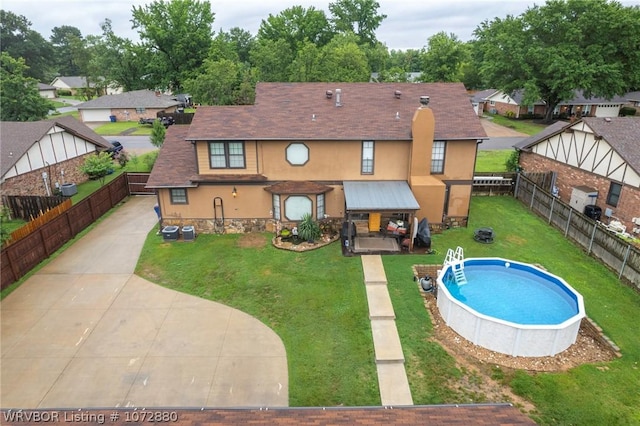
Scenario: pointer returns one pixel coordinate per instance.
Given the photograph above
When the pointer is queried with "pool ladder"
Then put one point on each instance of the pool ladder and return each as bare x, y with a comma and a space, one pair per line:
456, 260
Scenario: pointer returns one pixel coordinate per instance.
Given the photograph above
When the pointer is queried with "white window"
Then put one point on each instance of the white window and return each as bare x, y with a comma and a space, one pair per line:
296, 206
276, 206
297, 154
367, 158
320, 206
437, 157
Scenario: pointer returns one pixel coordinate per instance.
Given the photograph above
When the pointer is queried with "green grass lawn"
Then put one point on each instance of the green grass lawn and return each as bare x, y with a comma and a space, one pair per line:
523, 126
492, 160
131, 128
316, 303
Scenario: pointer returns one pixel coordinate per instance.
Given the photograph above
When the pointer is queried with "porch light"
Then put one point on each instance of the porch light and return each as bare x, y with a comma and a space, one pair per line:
234, 192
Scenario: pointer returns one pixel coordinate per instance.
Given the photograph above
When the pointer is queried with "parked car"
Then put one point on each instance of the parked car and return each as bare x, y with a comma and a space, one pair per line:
116, 147
166, 121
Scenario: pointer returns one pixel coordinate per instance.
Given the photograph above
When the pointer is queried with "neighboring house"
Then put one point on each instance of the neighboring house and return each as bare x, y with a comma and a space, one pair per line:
47, 91
633, 100
127, 106
498, 102
338, 151
599, 154
39, 156
75, 83
479, 99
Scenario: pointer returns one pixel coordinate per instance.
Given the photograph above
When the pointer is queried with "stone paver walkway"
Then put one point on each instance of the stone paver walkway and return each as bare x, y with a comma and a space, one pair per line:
392, 376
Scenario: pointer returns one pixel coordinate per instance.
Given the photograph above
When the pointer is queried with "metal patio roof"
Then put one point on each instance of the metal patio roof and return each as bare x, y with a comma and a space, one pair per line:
379, 195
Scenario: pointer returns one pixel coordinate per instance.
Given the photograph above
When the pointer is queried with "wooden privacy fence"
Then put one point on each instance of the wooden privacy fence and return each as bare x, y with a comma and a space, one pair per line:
619, 255
23, 255
137, 182
28, 207
34, 224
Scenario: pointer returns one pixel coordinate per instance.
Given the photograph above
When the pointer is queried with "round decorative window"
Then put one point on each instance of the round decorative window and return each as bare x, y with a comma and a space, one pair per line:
297, 154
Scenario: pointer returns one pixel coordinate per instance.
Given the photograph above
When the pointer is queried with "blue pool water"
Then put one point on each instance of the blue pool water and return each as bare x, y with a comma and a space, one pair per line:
517, 294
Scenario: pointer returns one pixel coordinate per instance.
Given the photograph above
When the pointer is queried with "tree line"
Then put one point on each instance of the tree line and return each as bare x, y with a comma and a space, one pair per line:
548, 51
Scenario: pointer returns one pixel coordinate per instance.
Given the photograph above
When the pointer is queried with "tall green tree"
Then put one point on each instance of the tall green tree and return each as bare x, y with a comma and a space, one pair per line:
296, 25
443, 59
179, 32
158, 133
65, 41
217, 84
271, 59
121, 62
20, 41
20, 100
343, 60
360, 17
306, 67
554, 49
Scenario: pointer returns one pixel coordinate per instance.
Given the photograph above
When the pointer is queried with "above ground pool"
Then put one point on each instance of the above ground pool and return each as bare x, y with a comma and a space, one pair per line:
509, 307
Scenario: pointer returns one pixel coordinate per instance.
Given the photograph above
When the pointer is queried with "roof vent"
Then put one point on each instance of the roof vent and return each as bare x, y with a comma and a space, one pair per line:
338, 97
424, 100
397, 94
607, 119
329, 94
398, 115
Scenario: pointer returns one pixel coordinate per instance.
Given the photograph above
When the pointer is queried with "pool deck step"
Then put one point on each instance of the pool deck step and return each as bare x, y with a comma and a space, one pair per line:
380, 306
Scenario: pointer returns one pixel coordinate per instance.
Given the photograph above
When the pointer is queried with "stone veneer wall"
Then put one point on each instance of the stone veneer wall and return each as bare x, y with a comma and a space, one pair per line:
569, 177
32, 184
240, 226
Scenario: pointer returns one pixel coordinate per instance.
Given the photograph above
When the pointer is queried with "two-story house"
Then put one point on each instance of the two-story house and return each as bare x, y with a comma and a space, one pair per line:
339, 151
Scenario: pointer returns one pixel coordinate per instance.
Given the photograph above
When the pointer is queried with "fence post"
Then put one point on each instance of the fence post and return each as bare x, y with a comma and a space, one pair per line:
566, 230
553, 201
515, 190
533, 197
593, 234
624, 262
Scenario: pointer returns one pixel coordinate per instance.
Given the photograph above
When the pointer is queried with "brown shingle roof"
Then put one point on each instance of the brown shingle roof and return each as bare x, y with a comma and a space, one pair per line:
367, 111
298, 187
451, 415
176, 162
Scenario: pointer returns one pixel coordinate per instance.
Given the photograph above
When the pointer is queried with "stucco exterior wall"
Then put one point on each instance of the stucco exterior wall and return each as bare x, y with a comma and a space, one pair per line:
568, 177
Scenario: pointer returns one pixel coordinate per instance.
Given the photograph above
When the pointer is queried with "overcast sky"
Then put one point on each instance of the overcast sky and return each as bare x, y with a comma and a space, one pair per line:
408, 25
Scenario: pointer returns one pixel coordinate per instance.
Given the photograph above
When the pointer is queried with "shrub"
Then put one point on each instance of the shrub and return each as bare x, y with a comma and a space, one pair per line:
63, 92
627, 111
512, 163
97, 166
308, 229
510, 114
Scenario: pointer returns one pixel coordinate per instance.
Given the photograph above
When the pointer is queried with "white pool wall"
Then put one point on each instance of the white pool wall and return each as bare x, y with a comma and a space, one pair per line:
504, 336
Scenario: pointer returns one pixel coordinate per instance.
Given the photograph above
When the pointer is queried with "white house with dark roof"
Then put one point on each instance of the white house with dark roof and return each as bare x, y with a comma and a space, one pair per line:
39, 156
498, 102
602, 154
47, 91
127, 106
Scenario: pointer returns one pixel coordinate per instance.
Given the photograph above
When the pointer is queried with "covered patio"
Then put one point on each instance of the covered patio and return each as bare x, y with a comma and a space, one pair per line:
380, 216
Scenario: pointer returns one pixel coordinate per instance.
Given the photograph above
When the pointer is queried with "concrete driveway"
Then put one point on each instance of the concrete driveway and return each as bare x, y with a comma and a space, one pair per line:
85, 332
